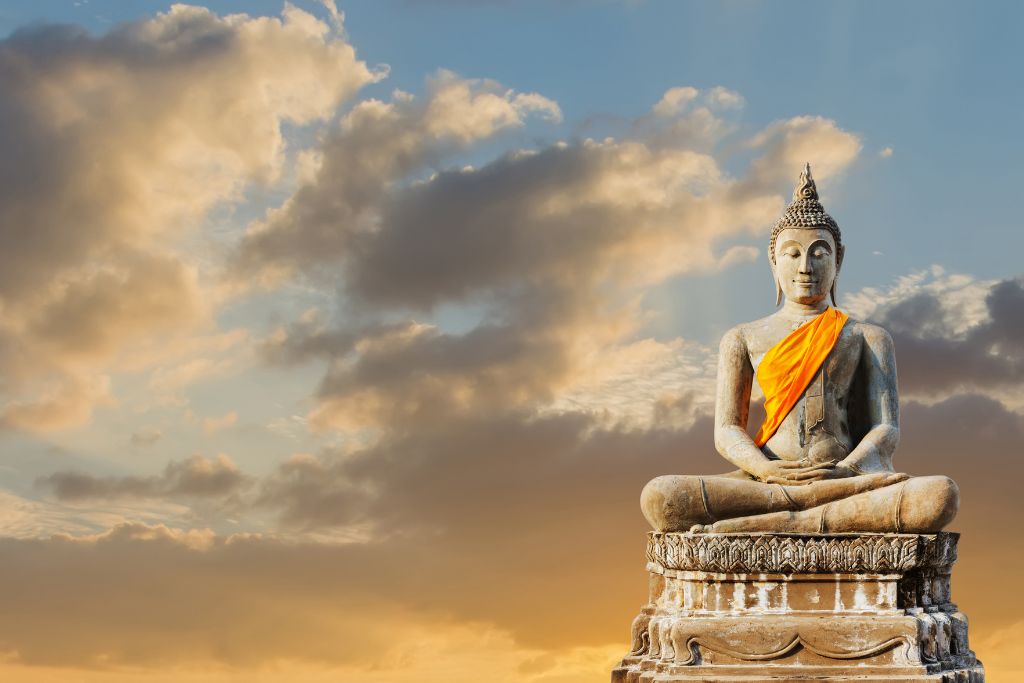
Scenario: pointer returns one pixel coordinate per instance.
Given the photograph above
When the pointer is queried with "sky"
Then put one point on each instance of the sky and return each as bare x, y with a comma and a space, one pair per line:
338, 341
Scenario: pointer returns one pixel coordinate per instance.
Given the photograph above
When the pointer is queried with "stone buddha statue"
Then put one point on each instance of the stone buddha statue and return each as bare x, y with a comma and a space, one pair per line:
822, 460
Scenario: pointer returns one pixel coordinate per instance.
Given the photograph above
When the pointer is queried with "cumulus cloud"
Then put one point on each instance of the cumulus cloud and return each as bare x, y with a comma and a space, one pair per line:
953, 333
554, 244
377, 145
117, 146
789, 143
677, 100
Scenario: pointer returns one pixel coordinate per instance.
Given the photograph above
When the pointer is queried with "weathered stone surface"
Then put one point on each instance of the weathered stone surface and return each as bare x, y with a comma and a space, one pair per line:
786, 607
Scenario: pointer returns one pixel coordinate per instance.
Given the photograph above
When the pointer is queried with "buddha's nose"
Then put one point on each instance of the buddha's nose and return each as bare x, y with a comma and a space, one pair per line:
805, 265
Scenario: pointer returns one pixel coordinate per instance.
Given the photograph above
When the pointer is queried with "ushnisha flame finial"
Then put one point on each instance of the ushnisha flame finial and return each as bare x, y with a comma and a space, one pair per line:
806, 189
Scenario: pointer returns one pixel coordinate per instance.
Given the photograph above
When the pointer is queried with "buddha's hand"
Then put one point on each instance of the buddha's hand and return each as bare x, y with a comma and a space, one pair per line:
790, 473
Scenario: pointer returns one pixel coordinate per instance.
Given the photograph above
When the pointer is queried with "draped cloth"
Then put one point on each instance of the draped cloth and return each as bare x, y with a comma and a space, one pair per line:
789, 366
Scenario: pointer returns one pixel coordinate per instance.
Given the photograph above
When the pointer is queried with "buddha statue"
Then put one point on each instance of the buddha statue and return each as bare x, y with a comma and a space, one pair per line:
822, 462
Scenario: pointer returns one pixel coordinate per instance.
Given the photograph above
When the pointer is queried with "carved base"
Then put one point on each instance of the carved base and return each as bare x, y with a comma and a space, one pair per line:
786, 607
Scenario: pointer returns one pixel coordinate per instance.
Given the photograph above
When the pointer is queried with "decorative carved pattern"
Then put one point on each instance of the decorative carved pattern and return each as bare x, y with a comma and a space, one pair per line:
799, 553
694, 643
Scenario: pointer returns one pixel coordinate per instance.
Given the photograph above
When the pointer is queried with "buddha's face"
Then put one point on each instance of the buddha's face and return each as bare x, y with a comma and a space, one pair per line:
805, 264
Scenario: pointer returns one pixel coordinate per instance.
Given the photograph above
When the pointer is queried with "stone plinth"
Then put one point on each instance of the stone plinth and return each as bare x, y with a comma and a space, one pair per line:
789, 607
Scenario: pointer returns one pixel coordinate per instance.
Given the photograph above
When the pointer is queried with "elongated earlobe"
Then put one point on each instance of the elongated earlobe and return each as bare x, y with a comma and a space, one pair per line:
839, 266
778, 291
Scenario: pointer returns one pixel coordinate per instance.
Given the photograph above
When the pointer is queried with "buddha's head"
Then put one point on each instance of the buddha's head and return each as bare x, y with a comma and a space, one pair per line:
806, 248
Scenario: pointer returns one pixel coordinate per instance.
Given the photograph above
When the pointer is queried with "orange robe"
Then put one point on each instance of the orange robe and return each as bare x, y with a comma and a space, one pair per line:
790, 365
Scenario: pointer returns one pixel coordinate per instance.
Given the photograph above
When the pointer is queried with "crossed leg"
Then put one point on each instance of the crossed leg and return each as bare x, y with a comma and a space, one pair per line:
882, 502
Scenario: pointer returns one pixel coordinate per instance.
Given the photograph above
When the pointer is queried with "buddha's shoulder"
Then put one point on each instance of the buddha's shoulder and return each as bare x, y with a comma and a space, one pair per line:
746, 332
873, 335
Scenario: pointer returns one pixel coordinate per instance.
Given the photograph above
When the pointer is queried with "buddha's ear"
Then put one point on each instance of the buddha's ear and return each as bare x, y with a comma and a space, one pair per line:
839, 264
775, 277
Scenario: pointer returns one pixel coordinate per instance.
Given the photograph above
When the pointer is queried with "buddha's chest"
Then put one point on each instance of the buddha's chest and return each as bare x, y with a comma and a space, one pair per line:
818, 426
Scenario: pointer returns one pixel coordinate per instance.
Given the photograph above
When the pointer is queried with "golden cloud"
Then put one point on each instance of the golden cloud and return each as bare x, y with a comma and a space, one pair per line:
116, 148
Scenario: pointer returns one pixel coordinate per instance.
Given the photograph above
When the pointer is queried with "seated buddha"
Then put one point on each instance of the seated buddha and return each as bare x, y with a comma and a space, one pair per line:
822, 460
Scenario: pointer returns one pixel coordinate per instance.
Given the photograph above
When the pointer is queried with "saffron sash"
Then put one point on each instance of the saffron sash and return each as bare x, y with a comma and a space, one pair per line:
790, 365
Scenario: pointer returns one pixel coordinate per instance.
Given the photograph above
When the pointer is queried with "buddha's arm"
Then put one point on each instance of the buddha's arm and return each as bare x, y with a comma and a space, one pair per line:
878, 363
732, 406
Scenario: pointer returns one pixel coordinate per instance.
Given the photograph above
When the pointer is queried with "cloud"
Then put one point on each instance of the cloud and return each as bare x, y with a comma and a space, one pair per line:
116, 148
377, 145
307, 618
789, 143
555, 246
547, 507
521, 494
195, 476
677, 100
953, 333
22, 517
63, 402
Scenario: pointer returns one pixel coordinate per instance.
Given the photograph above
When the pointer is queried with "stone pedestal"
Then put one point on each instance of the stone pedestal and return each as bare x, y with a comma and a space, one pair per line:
807, 607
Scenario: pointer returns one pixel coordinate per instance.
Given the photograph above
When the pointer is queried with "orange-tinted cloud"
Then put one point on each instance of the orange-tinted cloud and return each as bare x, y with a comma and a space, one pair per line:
116, 147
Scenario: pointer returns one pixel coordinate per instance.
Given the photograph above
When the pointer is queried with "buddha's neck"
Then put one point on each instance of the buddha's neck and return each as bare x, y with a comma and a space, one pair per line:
792, 309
